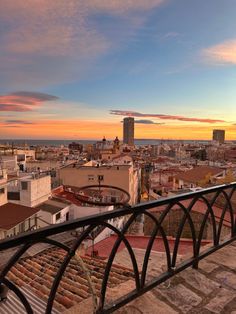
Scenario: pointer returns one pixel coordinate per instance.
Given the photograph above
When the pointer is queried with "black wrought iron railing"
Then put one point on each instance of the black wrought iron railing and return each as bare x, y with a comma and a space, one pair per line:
222, 198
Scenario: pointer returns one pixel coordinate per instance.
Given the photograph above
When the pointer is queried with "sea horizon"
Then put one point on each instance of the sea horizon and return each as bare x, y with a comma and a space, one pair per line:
57, 142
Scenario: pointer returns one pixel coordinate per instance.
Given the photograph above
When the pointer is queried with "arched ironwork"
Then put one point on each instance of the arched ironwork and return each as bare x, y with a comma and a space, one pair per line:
208, 197
98, 199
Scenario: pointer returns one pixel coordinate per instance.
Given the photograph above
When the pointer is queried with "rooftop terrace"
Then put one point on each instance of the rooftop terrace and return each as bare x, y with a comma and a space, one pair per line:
129, 279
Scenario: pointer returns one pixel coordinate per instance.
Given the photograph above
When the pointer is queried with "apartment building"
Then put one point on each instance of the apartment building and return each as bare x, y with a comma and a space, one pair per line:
122, 176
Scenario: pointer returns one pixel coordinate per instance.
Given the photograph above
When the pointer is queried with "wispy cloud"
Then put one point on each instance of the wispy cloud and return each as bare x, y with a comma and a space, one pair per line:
147, 122
144, 121
47, 42
23, 101
163, 116
16, 123
223, 53
24, 122
121, 7
170, 35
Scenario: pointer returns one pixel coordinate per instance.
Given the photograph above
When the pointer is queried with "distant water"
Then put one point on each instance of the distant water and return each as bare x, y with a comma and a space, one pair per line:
29, 142
139, 142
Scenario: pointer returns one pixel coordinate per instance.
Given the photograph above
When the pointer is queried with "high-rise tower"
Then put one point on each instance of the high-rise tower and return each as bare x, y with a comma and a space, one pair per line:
128, 131
219, 136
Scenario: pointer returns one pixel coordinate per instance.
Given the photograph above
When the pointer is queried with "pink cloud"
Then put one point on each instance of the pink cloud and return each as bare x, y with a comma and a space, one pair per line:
223, 53
163, 116
23, 101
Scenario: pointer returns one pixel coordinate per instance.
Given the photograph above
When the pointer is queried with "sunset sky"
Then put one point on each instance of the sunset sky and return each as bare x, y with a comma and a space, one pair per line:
73, 69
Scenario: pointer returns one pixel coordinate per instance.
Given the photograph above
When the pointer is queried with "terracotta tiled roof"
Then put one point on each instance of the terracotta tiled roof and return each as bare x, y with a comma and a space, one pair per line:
198, 173
208, 290
12, 214
37, 273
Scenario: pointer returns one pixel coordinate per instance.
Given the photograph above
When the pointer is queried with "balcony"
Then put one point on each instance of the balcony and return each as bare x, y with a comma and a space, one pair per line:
45, 273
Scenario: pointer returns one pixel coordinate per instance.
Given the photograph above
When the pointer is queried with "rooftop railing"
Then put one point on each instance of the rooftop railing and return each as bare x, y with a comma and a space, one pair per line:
221, 196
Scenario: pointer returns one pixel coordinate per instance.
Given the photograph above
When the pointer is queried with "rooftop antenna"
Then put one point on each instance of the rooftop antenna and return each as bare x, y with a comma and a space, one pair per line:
1, 163
12, 148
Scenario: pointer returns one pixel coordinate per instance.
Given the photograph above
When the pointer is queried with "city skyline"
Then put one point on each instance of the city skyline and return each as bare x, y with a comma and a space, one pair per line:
74, 69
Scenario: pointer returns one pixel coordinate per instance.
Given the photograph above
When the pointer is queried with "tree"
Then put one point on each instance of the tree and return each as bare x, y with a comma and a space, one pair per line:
206, 181
228, 178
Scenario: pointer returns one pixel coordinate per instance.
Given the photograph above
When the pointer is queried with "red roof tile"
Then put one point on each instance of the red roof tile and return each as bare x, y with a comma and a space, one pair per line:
198, 173
38, 273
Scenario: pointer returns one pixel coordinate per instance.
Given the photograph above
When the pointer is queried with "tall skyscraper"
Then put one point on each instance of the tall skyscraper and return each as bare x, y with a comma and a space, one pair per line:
128, 131
219, 136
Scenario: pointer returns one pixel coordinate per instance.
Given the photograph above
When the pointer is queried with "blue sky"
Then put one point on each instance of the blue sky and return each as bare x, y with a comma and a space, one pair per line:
65, 65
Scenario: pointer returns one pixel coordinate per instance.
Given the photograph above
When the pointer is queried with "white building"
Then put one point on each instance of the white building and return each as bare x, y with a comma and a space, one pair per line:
3, 186
122, 160
83, 211
9, 162
29, 190
16, 219
29, 153
53, 211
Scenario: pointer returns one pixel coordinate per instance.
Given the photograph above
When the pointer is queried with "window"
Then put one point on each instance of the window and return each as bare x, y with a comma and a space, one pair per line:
100, 178
58, 216
24, 185
22, 227
14, 196
91, 177
2, 191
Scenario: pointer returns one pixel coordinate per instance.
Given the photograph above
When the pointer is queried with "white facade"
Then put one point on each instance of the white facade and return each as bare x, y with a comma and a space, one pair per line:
32, 190
122, 160
83, 211
80, 211
44, 165
29, 153
9, 162
30, 223
60, 213
3, 186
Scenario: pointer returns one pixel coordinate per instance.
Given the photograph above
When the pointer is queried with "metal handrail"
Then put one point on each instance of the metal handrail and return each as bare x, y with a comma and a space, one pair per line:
208, 196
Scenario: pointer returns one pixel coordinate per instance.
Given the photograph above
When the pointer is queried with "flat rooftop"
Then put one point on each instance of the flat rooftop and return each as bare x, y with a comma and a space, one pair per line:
53, 206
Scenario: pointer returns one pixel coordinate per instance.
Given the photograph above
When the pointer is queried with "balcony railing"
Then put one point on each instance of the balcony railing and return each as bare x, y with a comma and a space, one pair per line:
224, 196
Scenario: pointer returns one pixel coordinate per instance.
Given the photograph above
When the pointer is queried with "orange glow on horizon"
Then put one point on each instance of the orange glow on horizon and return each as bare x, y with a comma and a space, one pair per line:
88, 129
